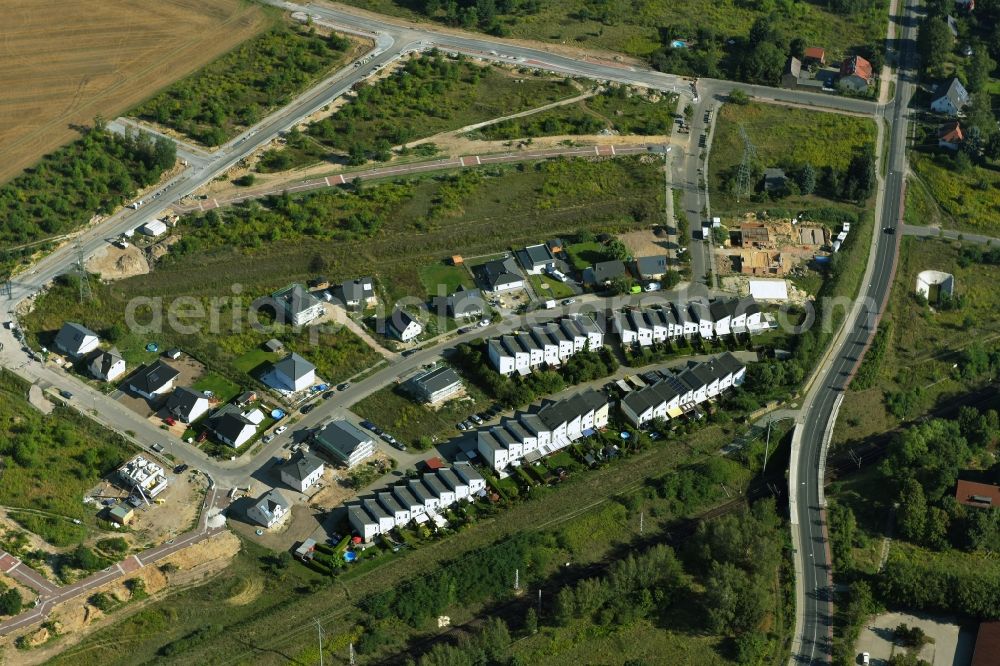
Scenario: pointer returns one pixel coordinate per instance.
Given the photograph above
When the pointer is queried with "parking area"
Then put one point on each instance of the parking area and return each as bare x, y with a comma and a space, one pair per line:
951, 644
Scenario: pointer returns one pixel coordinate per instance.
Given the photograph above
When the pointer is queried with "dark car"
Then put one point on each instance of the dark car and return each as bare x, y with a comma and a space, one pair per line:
329, 394
889, 230
344, 386
368, 424
180, 469
410, 352
307, 408
66, 394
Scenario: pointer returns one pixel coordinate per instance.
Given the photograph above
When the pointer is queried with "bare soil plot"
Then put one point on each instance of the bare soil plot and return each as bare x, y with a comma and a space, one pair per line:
63, 63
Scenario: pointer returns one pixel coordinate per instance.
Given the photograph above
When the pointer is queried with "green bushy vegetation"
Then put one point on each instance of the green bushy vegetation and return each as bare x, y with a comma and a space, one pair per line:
647, 29
868, 372
10, 601
619, 109
826, 156
240, 88
926, 341
92, 175
51, 461
430, 94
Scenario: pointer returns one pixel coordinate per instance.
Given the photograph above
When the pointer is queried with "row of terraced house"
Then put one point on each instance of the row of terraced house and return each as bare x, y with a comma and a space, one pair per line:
673, 394
529, 436
696, 318
550, 343
419, 500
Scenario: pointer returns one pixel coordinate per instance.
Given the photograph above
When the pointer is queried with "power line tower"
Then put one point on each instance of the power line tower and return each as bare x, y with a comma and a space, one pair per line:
744, 187
319, 631
81, 269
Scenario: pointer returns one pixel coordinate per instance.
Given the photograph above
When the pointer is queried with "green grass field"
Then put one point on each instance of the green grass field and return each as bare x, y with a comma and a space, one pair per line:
619, 109
968, 200
633, 28
783, 137
442, 276
548, 287
223, 389
50, 462
924, 342
408, 420
584, 255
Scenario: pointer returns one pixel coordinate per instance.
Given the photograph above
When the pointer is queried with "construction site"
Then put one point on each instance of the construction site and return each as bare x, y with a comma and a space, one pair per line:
761, 247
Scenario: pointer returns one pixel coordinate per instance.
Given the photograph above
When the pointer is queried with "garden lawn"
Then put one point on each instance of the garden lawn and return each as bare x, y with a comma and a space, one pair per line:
443, 277
548, 287
223, 389
50, 462
584, 255
925, 343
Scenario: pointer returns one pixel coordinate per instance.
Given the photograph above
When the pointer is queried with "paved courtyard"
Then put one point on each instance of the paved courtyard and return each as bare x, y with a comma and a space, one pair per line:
952, 644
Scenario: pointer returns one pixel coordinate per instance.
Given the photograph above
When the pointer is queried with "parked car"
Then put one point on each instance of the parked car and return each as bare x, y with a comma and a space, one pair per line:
476, 419
180, 469
170, 421
409, 352
280, 429
387, 437
344, 386
569, 301
157, 447
468, 425
461, 426
66, 394
307, 408
267, 439
329, 394
483, 323
368, 424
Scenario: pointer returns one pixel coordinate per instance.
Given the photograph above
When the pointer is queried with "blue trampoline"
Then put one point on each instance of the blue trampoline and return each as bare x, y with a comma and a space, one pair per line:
350, 556
277, 414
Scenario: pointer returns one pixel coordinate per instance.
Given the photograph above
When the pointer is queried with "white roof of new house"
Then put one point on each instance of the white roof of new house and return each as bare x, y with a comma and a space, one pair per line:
153, 228
769, 290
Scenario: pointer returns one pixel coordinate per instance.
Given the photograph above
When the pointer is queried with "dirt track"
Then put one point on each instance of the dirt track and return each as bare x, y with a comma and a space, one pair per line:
63, 63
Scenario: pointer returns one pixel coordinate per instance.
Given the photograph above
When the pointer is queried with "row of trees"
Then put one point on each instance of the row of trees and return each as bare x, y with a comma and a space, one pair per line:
582, 367
92, 175
856, 183
238, 89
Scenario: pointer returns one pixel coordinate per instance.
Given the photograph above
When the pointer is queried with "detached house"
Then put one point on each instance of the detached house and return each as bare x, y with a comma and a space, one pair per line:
499, 275
403, 326
231, 426
187, 405
856, 74
536, 259
356, 294
435, 385
651, 268
343, 442
294, 373
108, 366
950, 99
270, 509
154, 380
302, 471
603, 272
463, 304
298, 305
76, 340
950, 136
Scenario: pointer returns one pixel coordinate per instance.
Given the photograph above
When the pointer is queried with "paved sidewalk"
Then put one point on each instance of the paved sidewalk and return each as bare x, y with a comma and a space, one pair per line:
953, 234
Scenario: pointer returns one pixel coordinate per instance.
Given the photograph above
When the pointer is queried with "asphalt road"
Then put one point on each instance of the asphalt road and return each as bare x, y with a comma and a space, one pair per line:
50, 596
813, 642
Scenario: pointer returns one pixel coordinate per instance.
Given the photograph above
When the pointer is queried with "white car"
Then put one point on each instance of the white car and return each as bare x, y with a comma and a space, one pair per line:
280, 429
866, 659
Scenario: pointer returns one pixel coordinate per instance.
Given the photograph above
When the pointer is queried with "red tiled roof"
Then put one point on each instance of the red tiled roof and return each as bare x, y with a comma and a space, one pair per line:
434, 463
971, 493
858, 66
987, 644
815, 52
951, 132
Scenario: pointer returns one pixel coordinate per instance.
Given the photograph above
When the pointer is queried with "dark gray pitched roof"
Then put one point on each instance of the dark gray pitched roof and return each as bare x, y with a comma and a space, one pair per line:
71, 336
533, 256
956, 94
301, 465
153, 377
294, 366
499, 272
435, 379
463, 302
105, 360
182, 400
295, 298
228, 422
652, 265
570, 408
603, 271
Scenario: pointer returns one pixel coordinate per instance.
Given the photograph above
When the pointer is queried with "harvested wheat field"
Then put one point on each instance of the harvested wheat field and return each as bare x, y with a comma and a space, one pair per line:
64, 62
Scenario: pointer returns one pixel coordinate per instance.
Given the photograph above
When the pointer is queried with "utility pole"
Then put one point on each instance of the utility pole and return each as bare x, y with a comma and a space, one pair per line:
517, 580
641, 516
351, 654
319, 632
539, 602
